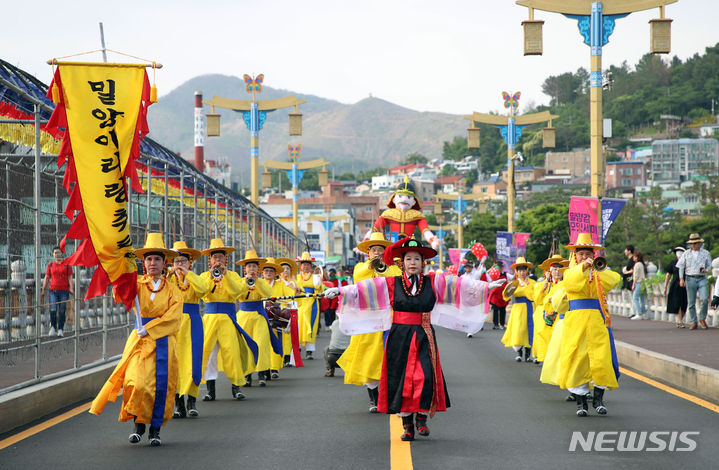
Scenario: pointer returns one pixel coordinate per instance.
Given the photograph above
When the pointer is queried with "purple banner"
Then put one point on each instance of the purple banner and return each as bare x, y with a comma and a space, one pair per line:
610, 210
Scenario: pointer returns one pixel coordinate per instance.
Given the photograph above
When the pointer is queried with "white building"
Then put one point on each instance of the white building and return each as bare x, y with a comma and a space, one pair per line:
386, 181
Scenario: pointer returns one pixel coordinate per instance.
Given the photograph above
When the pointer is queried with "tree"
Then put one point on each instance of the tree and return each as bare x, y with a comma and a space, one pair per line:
547, 224
455, 150
483, 228
368, 174
414, 158
448, 170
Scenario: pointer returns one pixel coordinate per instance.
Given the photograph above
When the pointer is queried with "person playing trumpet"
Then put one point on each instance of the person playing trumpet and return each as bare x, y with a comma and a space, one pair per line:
270, 268
362, 360
520, 329
308, 282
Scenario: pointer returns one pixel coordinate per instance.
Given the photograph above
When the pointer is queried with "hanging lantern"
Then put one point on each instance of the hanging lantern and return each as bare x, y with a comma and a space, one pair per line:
660, 35
437, 207
532, 36
346, 228
213, 125
266, 179
322, 177
473, 137
295, 124
549, 137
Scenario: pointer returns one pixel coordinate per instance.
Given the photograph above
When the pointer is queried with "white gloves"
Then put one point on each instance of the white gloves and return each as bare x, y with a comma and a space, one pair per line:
332, 292
316, 280
497, 283
141, 332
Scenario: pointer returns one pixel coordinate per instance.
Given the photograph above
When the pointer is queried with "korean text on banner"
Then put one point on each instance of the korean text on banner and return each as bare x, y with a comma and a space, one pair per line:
583, 217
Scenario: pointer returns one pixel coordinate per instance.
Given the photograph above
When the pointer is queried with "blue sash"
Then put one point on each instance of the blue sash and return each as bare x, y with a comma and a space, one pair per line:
197, 338
561, 316
530, 318
228, 308
162, 362
315, 308
258, 306
593, 304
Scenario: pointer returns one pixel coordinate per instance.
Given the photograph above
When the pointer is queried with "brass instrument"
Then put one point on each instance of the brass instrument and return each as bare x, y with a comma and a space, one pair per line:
599, 263
378, 265
250, 281
216, 274
510, 288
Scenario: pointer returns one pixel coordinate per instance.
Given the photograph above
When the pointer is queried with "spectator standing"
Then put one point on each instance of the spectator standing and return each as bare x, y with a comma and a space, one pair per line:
627, 272
676, 294
497, 302
638, 277
59, 278
693, 267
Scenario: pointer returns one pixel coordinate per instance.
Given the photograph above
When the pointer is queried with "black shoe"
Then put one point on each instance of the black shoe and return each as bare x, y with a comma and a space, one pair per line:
495, 327
287, 362
582, 407
571, 397
264, 377
274, 374
237, 393
136, 436
192, 407
518, 357
308, 356
527, 354
421, 421
373, 395
248, 380
408, 425
180, 411
210, 396
598, 401
154, 437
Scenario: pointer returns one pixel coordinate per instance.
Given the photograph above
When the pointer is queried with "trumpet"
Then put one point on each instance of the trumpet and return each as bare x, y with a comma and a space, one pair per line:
216, 274
378, 265
599, 263
250, 281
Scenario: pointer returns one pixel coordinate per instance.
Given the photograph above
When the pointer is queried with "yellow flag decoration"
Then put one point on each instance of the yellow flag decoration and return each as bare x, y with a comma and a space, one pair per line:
102, 109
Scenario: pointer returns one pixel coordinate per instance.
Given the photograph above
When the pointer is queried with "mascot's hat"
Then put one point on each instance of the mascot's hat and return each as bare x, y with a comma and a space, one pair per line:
406, 188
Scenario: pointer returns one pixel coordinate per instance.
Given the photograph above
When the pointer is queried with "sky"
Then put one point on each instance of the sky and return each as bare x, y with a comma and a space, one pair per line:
453, 56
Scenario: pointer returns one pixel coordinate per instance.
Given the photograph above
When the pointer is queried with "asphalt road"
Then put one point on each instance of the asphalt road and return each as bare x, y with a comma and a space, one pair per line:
501, 417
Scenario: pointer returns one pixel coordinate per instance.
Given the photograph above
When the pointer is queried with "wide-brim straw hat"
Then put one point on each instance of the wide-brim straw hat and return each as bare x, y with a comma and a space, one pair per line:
584, 241
306, 258
398, 249
554, 259
251, 257
375, 239
289, 262
695, 238
155, 244
521, 262
182, 247
270, 262
216, 244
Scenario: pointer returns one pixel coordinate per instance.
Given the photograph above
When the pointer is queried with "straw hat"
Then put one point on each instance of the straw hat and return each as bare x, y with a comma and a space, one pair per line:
289, 262
270, 263
182, 247
554, 259
155, 244
251, 257
216, 244
306, 258
679, 248
584, 241
521, 262
695, 238
375, 239
406, 245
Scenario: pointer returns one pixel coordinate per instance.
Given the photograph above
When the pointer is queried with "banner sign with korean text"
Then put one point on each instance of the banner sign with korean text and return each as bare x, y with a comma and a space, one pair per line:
103, 110
510, 246
610, 211
583, 217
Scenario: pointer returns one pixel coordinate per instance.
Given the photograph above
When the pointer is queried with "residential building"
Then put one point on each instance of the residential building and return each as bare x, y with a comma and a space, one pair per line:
386, 181
626, 174
574, 164
524, 174
448, 184
404, 169
677, 160
493, 188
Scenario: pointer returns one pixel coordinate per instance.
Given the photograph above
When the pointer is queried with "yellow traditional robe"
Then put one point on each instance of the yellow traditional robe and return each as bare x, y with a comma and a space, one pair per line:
542, 331
517, 333
280, 289
308, 310
362, 360
192, 288
234, 356
586, 350
136, 372
555, 302
250, 317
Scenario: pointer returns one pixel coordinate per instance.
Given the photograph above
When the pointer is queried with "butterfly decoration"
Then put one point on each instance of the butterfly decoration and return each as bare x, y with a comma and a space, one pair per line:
254, 84
294, 151
511, 100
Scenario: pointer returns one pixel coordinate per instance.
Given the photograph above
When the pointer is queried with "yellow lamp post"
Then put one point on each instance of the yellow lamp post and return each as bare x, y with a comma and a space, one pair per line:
254, 114
441, 230
294, 172
511, 127
460, 203
596, 23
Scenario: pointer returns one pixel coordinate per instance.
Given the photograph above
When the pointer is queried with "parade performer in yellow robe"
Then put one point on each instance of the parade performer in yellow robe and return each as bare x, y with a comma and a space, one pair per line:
147, 372
191, 336
520, 329
227, 347
309, 308
252, 318
557, 305
587, 353
270, 269
543, 292
362, 360
289, 277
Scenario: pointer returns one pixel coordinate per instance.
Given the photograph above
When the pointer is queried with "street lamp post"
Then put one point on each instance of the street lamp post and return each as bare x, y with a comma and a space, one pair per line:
461, 200
596, 23
511, 128
441, 230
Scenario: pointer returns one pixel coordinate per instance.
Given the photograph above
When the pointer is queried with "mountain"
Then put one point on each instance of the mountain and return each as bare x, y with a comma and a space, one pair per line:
370, 133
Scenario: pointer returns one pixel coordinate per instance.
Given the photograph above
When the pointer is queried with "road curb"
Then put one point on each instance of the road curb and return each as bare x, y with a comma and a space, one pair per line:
21, 407
687, 376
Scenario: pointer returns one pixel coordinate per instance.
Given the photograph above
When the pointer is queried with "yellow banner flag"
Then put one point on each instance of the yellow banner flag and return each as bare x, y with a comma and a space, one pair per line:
103, 108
